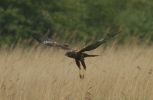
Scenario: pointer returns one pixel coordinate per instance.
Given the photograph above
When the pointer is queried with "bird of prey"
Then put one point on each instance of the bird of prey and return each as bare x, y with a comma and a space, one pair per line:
78, 55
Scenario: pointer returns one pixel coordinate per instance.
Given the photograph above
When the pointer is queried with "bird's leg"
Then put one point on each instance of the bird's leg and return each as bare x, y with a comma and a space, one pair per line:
83, 64
81, 74
79, 66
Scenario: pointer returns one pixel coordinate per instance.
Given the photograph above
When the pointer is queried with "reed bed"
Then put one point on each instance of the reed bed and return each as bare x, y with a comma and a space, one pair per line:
124, 73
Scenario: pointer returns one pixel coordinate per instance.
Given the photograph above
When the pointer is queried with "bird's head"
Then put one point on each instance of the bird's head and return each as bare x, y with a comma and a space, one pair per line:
70, 54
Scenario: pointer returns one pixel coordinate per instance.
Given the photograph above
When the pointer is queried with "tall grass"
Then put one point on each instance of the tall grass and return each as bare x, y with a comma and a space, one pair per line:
46, 74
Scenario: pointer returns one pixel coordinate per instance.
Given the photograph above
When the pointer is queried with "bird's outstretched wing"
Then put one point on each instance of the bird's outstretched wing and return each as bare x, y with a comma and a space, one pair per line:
50, 42
97, 43
41, 38
93, 45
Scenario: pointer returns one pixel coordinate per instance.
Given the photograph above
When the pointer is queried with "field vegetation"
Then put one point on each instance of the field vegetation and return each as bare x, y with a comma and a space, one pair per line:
119, 73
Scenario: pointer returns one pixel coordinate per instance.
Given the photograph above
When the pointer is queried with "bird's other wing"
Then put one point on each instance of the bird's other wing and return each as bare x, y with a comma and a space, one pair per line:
43, 39
93, 45
110, 36
63, 46
49, 42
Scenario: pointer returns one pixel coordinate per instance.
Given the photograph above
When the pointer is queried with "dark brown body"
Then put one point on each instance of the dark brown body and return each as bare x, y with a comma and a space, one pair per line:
79, 57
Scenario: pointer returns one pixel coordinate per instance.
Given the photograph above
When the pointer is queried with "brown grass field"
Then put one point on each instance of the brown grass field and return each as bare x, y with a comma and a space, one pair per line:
125, 73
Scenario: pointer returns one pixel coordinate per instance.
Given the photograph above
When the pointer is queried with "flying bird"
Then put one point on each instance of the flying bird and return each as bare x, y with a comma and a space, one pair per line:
78, 55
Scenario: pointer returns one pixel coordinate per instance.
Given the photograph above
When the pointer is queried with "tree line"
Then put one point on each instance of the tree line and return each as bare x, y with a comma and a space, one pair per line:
76, 20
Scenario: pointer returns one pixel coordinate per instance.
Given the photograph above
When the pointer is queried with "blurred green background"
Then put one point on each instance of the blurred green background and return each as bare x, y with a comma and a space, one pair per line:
76, 20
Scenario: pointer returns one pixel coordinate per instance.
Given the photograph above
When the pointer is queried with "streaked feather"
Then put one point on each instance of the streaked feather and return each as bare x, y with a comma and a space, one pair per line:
50, 42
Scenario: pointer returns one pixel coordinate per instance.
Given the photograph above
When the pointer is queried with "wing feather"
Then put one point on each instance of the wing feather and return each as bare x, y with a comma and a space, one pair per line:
97, 43
49, 42
93, 45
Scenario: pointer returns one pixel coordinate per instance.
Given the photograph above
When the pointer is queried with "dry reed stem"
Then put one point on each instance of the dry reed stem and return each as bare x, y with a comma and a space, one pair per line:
122, 74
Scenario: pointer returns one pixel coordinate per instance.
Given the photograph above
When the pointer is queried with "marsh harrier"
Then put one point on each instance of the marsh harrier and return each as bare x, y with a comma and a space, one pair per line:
78, 55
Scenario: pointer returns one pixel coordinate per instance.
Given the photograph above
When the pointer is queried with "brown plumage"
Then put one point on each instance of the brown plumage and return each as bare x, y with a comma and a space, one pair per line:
80, 55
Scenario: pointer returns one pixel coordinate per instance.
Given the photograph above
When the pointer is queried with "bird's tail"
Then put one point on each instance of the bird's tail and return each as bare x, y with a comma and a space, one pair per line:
92, 55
